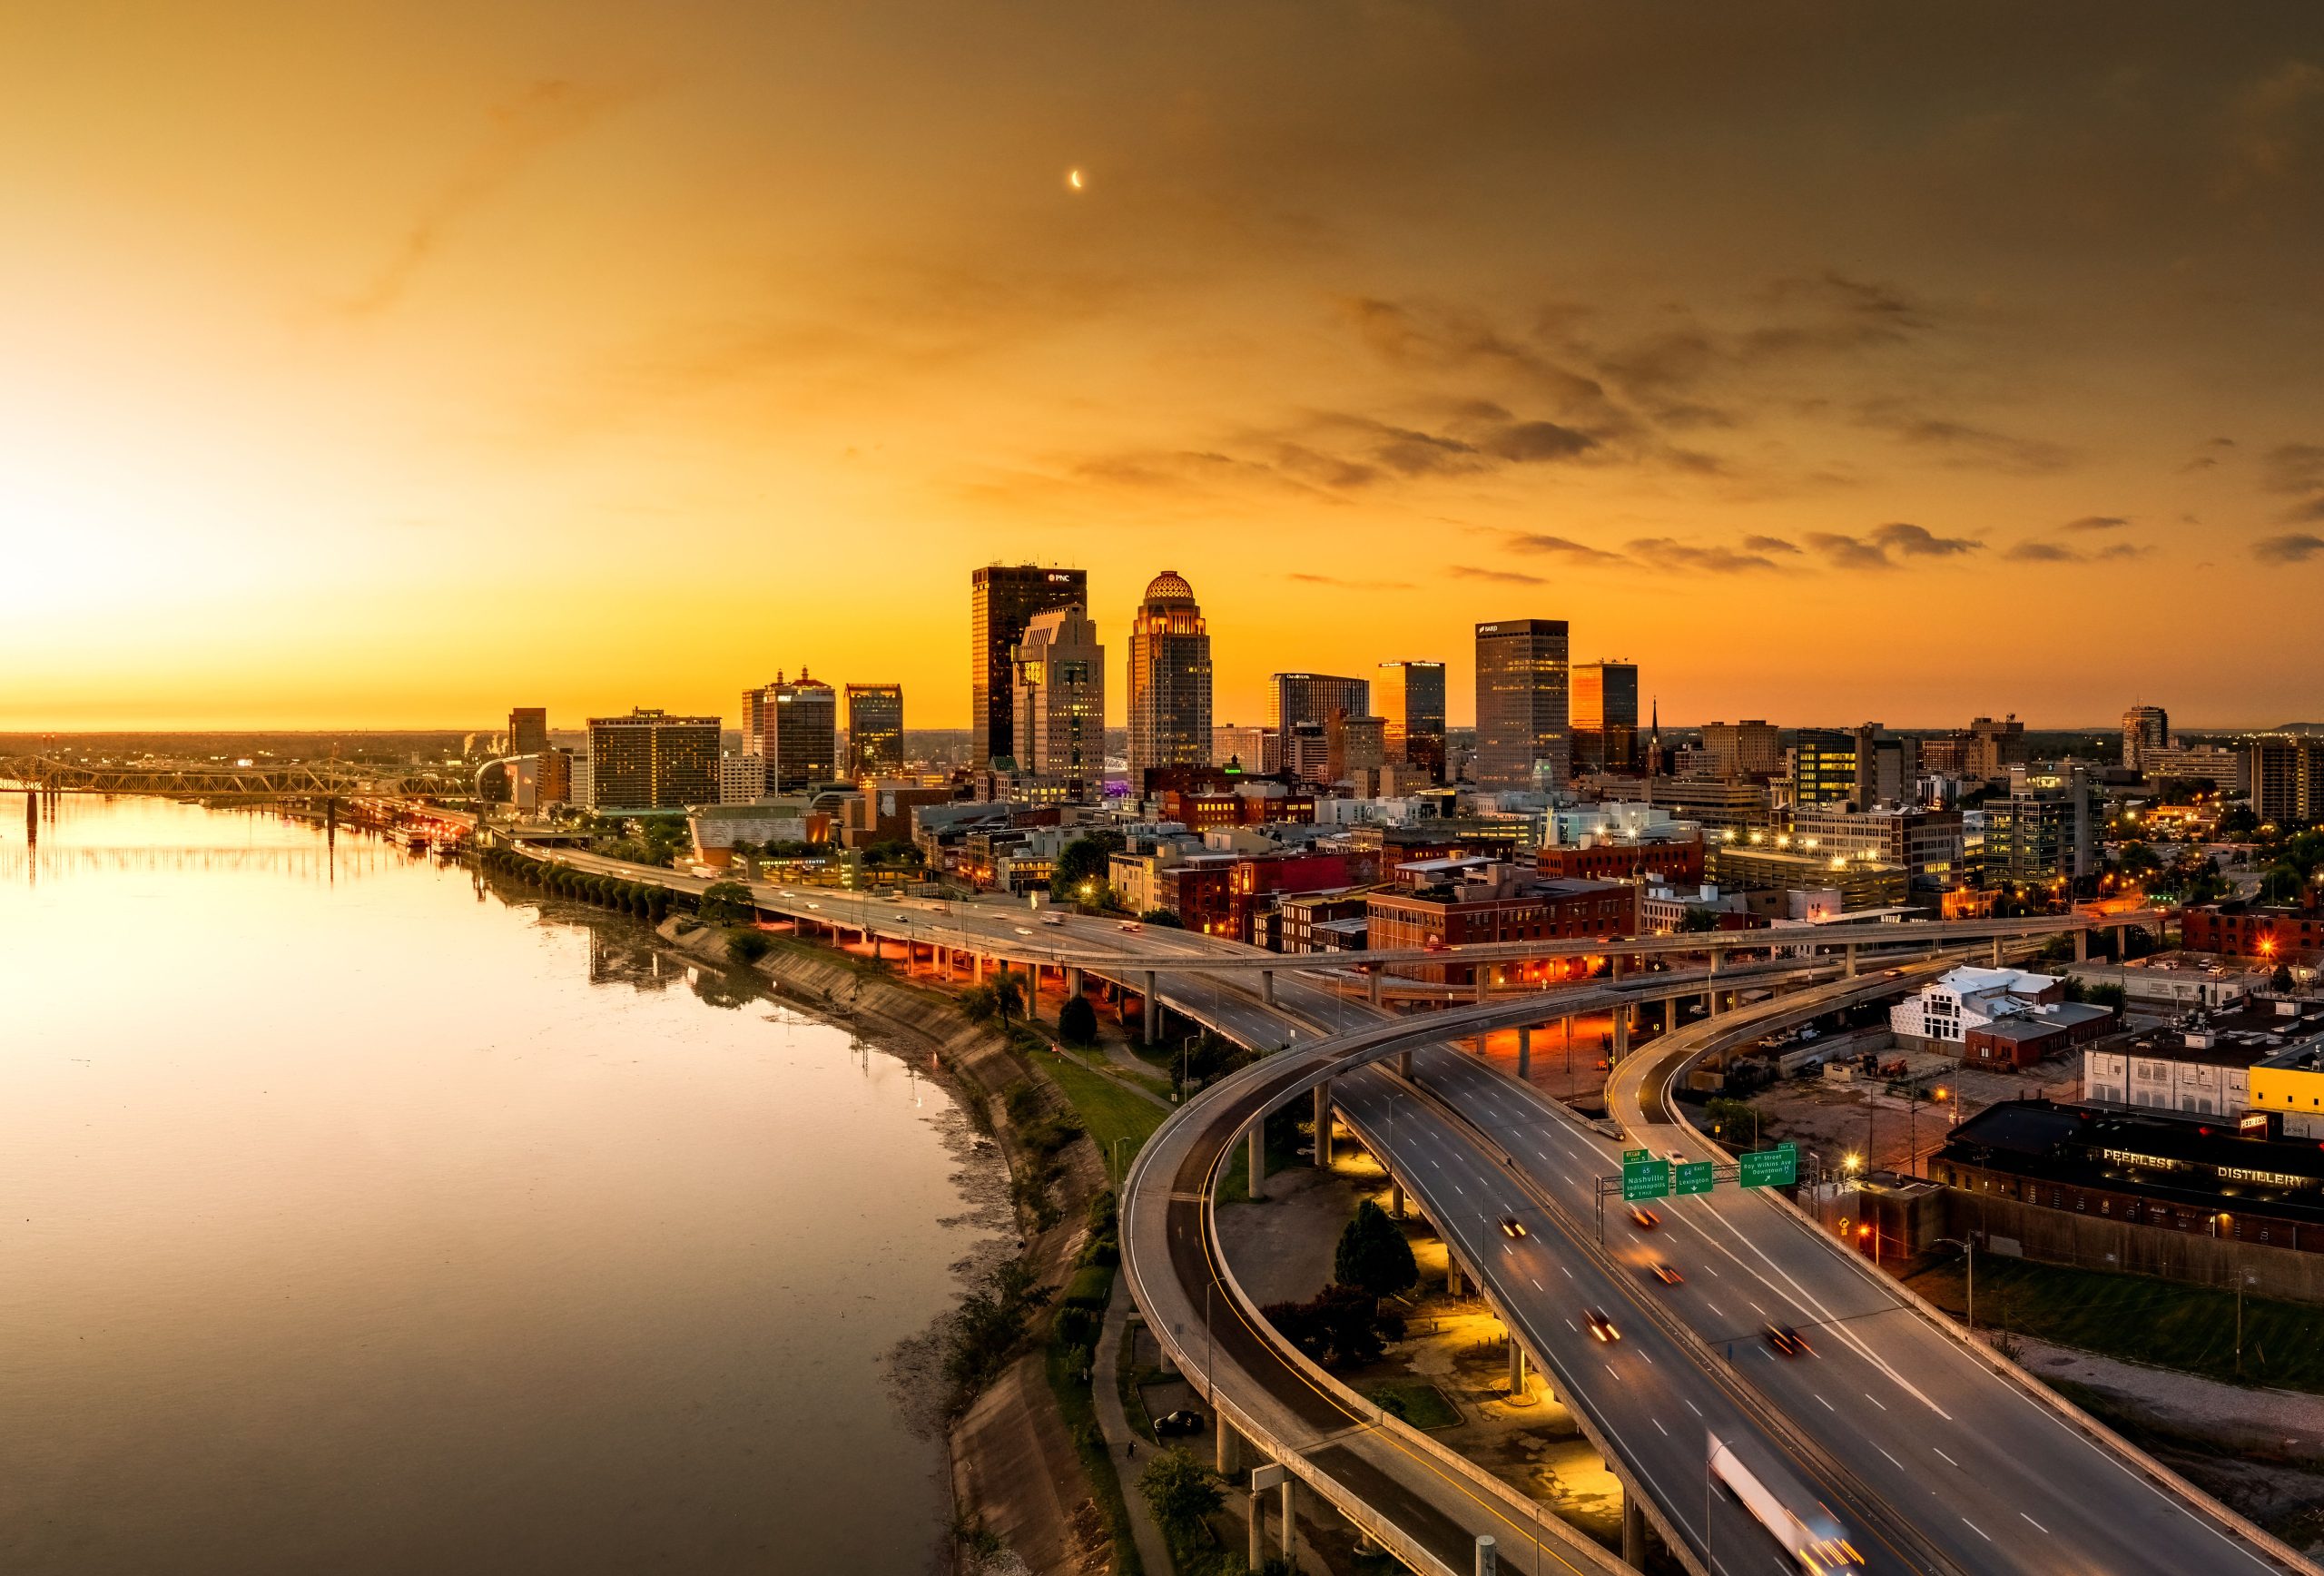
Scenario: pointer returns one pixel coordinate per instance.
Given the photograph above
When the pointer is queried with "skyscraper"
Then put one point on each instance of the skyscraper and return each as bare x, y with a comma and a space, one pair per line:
2145, 728
1060, 698
1605, 717
1750, 748
1170, 680
650, 760
1521, 702
1312, 697
875, 730
527, 730
1409, 696
794, 729
1823, 767
1002, 600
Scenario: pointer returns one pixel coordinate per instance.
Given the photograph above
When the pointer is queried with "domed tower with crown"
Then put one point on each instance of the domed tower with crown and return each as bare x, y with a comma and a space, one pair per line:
1170, 680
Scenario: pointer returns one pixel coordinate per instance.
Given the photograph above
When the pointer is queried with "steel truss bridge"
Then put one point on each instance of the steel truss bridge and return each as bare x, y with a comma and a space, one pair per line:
206, 779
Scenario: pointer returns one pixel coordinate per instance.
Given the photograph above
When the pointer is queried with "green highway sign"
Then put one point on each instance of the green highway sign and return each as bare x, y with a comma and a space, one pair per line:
1645, 1177
1632, 1157
1693, 1177
1775, 1167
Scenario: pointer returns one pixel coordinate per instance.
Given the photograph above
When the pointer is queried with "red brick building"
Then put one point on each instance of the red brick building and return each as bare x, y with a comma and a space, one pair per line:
1258, 882
1679, 861
1458, 901
2277, 933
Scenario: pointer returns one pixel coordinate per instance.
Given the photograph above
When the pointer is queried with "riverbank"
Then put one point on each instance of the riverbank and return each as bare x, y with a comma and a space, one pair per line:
1026, 1496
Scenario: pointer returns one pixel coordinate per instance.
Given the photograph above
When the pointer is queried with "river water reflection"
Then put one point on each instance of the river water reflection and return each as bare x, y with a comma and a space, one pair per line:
354, 1219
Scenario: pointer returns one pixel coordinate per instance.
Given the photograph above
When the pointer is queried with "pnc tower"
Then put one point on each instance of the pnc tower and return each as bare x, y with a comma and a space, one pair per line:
1521, 695
1170, 680
1002, 600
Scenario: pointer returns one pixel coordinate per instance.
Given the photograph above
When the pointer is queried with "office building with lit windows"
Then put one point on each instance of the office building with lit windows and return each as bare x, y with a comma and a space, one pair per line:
794, 727
1521, 695
1061, 701
1002, 600
875, 730
1170, 680
1312, 697
650, 760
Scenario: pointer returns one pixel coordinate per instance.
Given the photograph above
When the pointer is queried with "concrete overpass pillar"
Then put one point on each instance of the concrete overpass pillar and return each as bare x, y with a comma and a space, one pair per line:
1404, 1063
1633, 1530
1996, 951
2081, 946
1290, 1520
1074, 984
1257, 1147
1261, 1480
1451, 1270
1324, 1125
1372, 986
1524, 1052
1614, 967
1669, 1014
1516, 1366
1488, 1555
1230, 1447
1396, 1199
1621, 1035
1849, 968
1266, 986
1153, 1009
1484, 980
976, 969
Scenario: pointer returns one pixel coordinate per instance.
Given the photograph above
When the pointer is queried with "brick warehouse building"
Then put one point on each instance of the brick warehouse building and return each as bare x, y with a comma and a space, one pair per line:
1679, 860
2279, 932
1453, 902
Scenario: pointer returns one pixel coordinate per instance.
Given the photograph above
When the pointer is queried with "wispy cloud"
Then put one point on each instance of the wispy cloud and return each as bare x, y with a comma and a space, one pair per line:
1499, 577
1561, 547
2039, 552
2098, 523
1335, 582
522, 128
1671, 553
2292, 548
1884, 546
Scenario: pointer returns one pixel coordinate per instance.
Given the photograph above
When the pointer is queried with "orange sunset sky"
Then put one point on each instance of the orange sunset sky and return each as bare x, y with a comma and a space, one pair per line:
389, 366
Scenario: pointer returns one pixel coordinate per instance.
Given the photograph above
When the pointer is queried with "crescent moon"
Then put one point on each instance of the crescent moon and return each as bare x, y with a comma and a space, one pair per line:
1073, 179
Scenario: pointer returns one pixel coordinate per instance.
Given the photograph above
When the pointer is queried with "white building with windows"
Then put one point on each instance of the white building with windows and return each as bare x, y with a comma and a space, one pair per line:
740, 779
1946, 1009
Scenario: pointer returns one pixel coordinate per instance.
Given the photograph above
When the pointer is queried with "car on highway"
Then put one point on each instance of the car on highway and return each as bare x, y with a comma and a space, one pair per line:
1786, 1340
1601, 1325
1666, 1273
1130, 925
1511, 1226
1176, 1422
1645, 1219
1022, 929
1052, 919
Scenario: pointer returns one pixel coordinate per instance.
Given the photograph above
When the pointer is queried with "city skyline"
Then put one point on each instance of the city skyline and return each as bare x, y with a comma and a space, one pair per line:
352, 383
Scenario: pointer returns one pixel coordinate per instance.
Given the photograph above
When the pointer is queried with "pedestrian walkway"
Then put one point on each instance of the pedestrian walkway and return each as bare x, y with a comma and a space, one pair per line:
1113, 1422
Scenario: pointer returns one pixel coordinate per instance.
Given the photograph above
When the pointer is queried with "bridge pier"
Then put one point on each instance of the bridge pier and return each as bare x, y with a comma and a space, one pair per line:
1670, 1014
1372, 986
1451, 1270
1230, 1446
1256, 1163
1849, 966
1397, 1200
1323, 1149
2081, 946
1516, 1366
1524, 1052
1404, 1064
1996, 951
1621, 1035
1073, 982
1263, 1478
1488, 1555
1633, 1529
1153, 1009
975, 973
1266, 986
1484, 980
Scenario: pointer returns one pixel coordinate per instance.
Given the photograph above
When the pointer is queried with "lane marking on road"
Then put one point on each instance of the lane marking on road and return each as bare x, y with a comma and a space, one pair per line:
1868, 1395
1617, 1378
1948, 1460
1693, 1408
1978, 1530
1712, 1306
1893, 1460
2035, 1524
1659, 1428
1825, 1405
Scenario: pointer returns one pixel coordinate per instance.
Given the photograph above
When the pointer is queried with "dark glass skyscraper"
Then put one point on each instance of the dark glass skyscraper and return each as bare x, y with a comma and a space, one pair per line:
1169, 681
1410, 698
875, 730
1312, 697
1605, 717
1522, 696
527, 730
650, 760
1002, 600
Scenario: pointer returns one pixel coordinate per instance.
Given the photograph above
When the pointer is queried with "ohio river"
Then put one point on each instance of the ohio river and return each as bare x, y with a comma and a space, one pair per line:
354, 1219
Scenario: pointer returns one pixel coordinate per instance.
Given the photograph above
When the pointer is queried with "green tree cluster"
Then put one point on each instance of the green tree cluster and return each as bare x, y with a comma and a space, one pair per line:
1373, 1253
